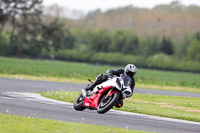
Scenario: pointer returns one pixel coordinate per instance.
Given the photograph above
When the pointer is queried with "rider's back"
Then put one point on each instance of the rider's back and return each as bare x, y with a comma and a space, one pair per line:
117, 72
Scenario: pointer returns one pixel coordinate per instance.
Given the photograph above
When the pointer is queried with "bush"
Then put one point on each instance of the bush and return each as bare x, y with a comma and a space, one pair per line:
159, 61
165, 62
187, 66
72, 55
113, 58
107, 58
4, 42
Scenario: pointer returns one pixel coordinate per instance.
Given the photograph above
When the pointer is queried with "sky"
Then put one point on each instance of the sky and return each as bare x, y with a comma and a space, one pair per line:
88, 5
75, 9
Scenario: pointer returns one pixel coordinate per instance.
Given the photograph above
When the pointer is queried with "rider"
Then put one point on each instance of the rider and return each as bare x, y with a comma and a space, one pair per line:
129, 70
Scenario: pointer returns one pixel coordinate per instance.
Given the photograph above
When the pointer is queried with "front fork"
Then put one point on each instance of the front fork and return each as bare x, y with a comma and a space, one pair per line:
110, 92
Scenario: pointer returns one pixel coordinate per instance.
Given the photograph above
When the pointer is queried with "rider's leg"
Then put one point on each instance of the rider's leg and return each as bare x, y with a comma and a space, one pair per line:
100, 79
90, 86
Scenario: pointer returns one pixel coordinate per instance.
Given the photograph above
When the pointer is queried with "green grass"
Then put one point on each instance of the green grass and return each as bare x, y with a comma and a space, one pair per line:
80, 72
49, 68
18, 124
168, 78
186, 108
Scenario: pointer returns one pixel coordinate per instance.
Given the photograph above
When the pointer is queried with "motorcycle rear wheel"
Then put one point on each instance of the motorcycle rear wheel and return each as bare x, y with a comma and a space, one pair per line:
106, 104
78, 103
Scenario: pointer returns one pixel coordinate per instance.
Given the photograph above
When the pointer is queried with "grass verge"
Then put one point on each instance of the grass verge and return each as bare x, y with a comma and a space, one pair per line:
80, 72
185, 108
74, 80
18, 124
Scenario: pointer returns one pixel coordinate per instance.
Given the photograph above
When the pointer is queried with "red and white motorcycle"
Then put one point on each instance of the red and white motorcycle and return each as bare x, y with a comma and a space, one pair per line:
105, 95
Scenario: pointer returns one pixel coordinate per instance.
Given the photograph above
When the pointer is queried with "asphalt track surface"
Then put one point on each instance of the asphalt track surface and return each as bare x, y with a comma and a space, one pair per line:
13, 100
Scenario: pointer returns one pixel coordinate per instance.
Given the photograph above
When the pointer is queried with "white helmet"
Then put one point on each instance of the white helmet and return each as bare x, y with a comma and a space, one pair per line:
130, 70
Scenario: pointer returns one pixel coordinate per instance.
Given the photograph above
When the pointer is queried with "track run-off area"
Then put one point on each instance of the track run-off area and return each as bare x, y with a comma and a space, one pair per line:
17, 97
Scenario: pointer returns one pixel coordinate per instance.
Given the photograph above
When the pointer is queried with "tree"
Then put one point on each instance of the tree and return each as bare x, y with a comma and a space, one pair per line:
181, 49
30, 14
69, 40
196, 36
167, 46
23, 16
82, 40
193, 50
100, 40
54, 34
149, 46
131, 44
5, 12
4, 41
118, 40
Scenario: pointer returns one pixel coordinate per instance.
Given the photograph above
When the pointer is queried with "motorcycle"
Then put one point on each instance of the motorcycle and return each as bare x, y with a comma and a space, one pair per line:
105, 95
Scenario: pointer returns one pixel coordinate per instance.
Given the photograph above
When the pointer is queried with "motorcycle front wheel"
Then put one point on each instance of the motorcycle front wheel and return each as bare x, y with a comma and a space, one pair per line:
106, 104
78, 103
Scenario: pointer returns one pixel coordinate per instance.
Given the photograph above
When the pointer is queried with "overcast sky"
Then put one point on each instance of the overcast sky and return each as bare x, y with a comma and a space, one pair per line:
88, 5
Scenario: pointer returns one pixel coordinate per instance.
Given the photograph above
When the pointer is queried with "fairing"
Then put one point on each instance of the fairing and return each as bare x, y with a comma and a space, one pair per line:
121, 83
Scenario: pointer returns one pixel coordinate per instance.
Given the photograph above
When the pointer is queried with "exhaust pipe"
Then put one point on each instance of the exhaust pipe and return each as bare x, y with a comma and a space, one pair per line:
83, 93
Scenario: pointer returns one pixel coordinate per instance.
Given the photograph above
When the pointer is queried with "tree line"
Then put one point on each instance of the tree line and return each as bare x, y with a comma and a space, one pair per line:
24, 33
173, 20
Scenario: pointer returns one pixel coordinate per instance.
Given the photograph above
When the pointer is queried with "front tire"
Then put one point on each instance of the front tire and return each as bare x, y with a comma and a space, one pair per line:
78, 103
106, 105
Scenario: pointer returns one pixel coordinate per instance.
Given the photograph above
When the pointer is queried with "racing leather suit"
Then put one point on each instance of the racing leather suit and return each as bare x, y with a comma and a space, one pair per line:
104, 77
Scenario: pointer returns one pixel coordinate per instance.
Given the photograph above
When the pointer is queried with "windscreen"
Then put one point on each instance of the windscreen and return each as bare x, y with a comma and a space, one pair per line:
126, 79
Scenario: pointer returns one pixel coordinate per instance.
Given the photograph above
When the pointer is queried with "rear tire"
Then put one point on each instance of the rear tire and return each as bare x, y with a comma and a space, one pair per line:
78, 103
105, 106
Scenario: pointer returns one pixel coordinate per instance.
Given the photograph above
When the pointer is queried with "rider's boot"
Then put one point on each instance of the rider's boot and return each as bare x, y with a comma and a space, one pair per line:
119, 104
100, 78
90, 87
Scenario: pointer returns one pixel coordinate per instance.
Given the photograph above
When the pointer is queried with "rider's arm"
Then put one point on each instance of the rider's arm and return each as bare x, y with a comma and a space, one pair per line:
132, 84
116, 72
